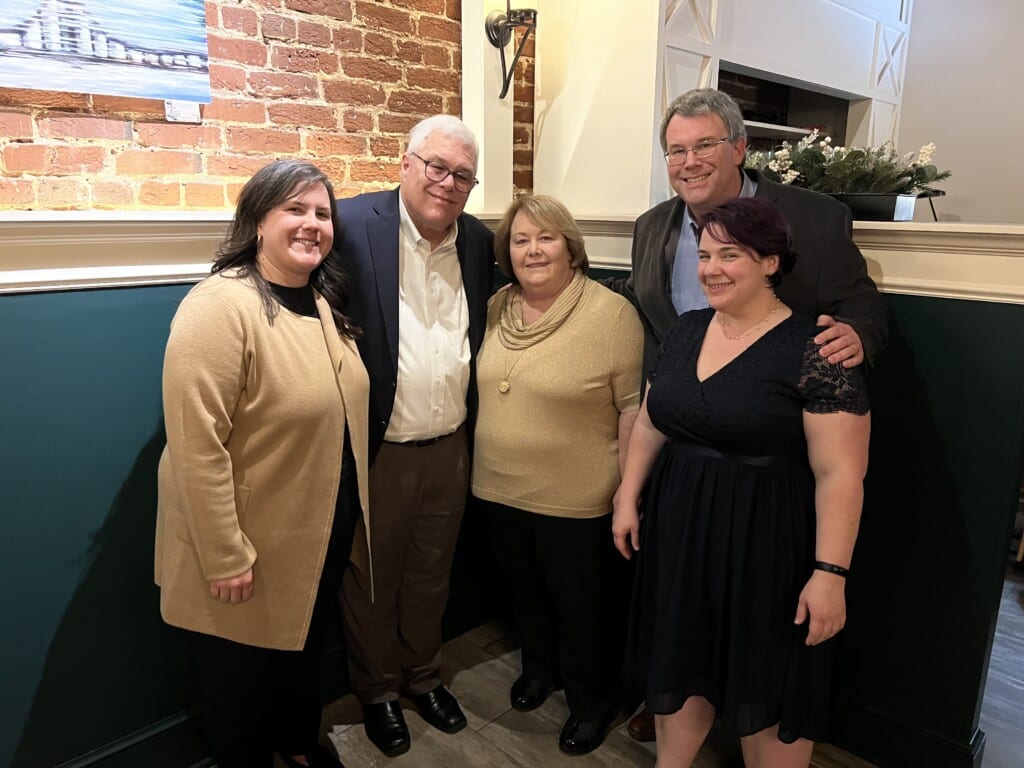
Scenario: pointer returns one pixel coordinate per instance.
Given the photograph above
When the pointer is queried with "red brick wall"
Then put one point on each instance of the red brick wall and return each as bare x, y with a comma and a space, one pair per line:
338, 81
522, 119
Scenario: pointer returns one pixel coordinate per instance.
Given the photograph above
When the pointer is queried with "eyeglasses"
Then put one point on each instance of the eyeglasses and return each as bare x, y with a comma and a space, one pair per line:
702, 150
437, 173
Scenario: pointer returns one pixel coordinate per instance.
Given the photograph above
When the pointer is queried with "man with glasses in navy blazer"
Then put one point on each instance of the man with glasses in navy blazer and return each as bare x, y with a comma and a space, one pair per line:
420, 274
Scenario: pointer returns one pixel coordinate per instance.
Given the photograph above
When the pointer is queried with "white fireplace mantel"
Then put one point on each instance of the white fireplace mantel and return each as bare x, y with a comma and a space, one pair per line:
61, 250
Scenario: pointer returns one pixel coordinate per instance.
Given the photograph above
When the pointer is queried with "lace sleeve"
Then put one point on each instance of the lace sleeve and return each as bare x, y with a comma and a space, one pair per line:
827, 388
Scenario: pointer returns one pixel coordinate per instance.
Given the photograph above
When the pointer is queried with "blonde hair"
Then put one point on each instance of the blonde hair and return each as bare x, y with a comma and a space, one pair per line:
547, 213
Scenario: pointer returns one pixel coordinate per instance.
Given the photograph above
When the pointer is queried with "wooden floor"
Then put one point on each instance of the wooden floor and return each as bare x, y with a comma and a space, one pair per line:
1002, 709
479, 667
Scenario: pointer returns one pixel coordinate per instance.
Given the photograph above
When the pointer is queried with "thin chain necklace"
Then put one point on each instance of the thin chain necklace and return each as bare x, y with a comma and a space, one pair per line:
503, 385
721, 321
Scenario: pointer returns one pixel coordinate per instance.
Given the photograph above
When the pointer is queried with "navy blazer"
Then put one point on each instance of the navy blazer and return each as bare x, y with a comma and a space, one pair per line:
830, 276
369, 254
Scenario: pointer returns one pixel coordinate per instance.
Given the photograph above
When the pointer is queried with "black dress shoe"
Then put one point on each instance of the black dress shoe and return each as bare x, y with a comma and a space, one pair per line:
581, 736
385, 726
440, 709
528, 693
320, 757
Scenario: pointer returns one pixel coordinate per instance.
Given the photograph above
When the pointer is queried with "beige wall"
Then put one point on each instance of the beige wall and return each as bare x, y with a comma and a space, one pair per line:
595, 103
962, 91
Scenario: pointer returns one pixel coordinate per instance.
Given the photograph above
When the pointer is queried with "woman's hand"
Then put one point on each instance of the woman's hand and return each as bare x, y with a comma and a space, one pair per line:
645, 442
237, 589
823, 599
625, 525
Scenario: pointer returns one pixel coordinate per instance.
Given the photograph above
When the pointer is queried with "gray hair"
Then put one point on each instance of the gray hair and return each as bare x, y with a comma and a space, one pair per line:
705, 101
446, 125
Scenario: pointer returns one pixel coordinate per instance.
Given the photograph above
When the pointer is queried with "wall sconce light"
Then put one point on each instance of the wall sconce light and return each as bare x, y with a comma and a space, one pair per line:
499, 28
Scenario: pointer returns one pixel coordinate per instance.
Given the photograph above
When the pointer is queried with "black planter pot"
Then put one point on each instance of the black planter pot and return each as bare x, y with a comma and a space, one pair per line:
868, 206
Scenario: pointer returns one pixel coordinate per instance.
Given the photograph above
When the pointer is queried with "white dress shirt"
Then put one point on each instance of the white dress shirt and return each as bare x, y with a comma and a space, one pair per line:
433, 337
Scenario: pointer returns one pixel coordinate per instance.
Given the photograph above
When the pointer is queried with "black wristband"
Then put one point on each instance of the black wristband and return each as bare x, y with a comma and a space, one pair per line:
838, 570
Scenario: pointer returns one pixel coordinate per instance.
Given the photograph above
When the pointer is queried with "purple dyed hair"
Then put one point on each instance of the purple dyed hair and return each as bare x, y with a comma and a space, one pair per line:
755, 224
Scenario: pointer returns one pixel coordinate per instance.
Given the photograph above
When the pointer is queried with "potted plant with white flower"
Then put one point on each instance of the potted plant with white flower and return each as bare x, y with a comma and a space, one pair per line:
876, 182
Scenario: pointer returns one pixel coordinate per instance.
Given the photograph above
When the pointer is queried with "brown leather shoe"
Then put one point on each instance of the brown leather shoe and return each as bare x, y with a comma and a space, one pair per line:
641, 726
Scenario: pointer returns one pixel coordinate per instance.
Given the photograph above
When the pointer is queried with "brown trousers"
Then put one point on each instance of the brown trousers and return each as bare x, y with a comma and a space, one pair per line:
417, 499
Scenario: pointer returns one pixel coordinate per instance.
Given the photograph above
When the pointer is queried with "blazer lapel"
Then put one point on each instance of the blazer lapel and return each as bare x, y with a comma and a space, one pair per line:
382, 235
765, 187
664, 242
668, 235
469, 265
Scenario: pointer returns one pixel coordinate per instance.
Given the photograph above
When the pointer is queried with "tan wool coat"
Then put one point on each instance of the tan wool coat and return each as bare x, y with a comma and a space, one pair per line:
255, 416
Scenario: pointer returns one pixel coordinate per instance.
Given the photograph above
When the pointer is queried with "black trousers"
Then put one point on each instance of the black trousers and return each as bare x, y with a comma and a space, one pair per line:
257, 701
562, 578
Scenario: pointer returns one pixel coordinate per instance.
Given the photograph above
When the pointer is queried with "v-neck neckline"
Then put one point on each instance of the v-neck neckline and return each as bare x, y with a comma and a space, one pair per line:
754, 343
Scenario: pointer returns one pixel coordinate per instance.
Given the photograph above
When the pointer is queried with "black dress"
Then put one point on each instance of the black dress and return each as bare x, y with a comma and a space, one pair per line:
727, 532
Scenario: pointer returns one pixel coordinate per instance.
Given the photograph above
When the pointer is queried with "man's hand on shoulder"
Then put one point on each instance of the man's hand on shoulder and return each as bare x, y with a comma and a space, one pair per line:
840, 341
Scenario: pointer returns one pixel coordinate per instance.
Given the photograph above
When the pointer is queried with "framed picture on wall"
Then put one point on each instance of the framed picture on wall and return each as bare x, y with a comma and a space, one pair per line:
154, 49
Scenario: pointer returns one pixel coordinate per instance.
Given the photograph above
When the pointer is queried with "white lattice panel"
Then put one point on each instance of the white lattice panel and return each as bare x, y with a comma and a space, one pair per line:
890, 54
684, 70
691, 21
884, 121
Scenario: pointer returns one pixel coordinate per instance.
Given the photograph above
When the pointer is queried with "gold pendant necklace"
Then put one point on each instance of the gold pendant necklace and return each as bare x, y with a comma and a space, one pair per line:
721, 321
503, 385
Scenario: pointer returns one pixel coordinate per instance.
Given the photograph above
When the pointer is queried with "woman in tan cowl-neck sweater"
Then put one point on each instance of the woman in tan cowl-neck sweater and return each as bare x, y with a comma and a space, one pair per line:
558, 378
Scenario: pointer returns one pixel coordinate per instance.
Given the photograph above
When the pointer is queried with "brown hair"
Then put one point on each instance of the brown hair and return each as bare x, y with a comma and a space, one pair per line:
269, 187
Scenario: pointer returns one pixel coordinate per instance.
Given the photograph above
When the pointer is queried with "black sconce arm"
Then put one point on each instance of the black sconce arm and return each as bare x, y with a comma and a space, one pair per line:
499, 28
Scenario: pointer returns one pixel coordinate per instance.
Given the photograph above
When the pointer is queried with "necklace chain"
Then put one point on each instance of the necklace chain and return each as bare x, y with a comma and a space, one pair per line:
725, 332
504, 386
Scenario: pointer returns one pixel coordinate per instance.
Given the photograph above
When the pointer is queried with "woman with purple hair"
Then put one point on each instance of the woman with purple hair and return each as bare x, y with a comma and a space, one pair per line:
742, 496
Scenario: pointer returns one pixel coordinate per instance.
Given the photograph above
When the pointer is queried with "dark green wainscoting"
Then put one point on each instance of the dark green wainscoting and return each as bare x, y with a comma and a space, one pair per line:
941, 493
91, 676
88, 664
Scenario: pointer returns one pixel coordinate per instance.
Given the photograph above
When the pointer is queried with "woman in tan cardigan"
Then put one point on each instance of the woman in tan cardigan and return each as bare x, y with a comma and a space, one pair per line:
264, 474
